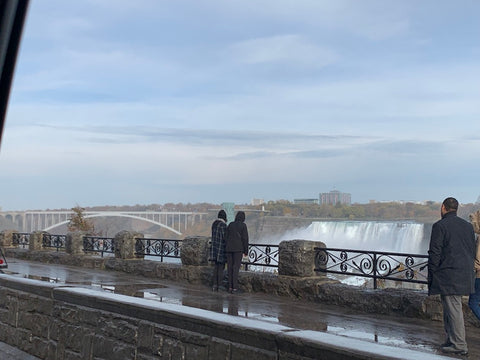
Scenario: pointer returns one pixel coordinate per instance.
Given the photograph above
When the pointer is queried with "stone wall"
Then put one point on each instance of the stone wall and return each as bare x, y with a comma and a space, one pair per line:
51, 321
295, 278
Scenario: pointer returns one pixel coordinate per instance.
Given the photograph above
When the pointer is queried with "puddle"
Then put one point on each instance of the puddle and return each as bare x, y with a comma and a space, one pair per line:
374, 337
136, 290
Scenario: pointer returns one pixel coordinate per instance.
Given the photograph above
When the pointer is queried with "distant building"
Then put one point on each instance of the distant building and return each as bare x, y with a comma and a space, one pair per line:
305, 201
256, 202
335, 197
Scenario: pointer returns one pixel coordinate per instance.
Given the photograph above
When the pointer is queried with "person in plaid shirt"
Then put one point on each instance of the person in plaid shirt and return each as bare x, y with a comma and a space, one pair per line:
217, 249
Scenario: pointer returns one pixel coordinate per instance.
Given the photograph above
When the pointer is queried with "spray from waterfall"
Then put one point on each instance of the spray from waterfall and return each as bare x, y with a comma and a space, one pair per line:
391, 236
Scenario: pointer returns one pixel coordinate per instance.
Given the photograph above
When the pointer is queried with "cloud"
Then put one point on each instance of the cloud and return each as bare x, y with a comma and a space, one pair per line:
287, 49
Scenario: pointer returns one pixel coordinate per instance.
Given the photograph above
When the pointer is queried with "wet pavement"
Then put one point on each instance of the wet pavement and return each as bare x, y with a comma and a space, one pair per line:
400, 332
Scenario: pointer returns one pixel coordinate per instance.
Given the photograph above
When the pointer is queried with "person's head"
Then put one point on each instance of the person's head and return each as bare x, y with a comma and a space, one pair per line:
222, 215
448, 205
240, 216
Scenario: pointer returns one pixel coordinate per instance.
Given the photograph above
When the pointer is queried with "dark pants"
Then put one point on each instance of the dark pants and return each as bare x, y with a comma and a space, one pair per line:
218, 274
234, 261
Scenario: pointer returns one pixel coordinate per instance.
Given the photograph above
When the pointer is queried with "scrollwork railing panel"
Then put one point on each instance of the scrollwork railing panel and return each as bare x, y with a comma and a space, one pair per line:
98, 244
262, 255
373, 264
21, 239
54, 241
169, 248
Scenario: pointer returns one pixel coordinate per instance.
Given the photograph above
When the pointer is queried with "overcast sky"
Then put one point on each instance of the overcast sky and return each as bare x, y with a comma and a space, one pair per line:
120, 102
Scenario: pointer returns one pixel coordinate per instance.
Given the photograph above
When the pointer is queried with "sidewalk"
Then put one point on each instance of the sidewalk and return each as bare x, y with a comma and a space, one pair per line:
397, 332
8, 352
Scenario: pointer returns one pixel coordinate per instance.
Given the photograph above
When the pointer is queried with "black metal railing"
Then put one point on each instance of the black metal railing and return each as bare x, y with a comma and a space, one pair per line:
164, 248
54, 241
262, 255
21, 239
98, 244
377, 265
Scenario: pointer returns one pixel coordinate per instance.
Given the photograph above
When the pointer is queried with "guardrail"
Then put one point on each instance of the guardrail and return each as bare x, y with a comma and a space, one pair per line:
262, 255
21, 239
54, 241
164, 248
377, 265
98, 244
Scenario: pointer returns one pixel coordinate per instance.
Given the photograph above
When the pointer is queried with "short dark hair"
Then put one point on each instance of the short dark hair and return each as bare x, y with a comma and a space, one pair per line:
451, 204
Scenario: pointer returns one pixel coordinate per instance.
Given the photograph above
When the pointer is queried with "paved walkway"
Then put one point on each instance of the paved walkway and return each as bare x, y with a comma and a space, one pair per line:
8, 352
398, 332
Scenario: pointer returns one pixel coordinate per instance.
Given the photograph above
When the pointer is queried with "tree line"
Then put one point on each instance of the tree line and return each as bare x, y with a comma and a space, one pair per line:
425, 212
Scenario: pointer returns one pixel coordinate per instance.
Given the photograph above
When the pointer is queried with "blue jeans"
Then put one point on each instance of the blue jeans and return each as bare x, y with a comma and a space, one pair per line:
474, 300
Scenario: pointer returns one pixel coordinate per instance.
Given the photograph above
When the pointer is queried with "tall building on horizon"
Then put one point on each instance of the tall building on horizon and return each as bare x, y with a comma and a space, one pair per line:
335, 197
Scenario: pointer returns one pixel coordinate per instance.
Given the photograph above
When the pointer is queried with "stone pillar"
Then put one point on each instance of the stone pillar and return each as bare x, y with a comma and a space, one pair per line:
124, 244
195, 250
297, 257
74, 243
36, 240
6, 238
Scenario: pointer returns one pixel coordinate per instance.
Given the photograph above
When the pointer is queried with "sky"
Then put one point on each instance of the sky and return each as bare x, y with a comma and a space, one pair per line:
119, 102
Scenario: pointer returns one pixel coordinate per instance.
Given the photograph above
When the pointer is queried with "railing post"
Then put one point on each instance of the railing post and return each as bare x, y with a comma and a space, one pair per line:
36, 241
375, 271
195, 251
74, 242
6, 238
124, 245
163, 250
297, 257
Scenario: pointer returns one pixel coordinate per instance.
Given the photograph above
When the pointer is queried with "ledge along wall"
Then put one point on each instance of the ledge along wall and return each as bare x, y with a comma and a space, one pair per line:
51, 321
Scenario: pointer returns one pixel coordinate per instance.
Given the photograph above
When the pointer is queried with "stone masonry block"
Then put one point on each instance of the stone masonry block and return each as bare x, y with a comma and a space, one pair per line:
242, 352
195, 250
122, 329
36, 241
107, 348
6, 238
38, 324
145, 338
219, 349
125, 242
297, 257
74, 243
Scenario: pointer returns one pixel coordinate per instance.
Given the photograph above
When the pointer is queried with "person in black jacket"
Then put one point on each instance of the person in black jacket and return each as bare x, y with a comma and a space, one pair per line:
236, 244
450, 271
217, 249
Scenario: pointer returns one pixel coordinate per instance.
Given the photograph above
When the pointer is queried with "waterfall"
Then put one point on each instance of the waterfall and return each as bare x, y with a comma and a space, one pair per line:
391, 236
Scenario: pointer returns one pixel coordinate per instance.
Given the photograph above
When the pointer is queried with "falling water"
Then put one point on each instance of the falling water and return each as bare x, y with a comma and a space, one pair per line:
395, 236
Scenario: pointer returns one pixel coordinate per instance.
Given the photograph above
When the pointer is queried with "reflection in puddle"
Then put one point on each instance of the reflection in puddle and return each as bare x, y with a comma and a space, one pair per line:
136, 290
373, 336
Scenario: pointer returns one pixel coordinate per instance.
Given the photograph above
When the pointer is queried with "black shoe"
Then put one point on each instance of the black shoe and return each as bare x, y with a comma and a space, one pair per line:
446, 343
215, 288
453, 350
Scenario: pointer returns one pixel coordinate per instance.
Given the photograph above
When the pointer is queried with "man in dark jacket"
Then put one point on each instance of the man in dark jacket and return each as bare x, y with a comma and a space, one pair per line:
236, 244
450, 271
217, 249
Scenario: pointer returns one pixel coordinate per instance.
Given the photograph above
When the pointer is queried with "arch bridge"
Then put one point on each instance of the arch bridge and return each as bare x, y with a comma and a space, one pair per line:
29, 221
